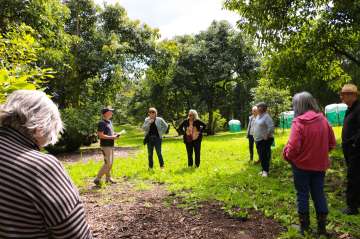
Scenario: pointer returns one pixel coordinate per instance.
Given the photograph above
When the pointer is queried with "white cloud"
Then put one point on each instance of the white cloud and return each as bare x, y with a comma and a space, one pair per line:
176, 17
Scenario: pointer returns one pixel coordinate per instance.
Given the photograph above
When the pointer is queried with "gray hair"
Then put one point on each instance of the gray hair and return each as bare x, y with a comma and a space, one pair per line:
262, 105
31, 112
194, 113
303, 102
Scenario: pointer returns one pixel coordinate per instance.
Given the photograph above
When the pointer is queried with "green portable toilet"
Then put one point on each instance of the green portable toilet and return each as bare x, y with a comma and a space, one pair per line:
234, 125
331, 114
335, 113
286, 119
341, 113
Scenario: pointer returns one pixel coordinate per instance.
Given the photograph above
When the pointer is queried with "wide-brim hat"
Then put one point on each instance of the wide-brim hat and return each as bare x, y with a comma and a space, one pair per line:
107, 109
349, 88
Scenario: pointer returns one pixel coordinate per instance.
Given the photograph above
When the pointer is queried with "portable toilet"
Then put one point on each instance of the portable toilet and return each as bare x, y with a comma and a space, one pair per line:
341, 113
234, 125
331, 114
335, 113
286, 119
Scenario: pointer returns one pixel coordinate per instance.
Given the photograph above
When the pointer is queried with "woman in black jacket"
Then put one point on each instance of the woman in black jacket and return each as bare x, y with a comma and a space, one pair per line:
192, 129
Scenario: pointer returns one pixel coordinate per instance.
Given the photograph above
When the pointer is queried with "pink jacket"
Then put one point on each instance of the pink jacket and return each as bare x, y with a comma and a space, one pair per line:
310, 141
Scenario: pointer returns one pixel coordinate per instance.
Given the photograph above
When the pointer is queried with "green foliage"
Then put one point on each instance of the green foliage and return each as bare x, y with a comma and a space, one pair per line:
204, 72
18, 54
80, 128
308, 45
219, 122
278, 100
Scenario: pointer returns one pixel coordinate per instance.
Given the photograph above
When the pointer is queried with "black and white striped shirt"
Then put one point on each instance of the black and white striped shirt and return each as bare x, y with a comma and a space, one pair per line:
37, 197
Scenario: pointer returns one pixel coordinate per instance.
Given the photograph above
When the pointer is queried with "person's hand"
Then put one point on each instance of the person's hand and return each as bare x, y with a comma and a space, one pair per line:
266, 137
151, 120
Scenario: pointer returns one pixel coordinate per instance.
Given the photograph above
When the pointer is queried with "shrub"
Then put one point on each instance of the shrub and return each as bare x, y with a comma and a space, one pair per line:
80, 128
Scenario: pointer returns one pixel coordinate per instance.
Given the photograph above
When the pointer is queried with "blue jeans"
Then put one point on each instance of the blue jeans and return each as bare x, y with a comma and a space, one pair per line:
310, 182
154, 142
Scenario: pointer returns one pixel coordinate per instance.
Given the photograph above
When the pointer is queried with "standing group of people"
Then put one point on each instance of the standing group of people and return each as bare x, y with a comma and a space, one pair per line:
307, 151
191, 128
261, 132
39, 199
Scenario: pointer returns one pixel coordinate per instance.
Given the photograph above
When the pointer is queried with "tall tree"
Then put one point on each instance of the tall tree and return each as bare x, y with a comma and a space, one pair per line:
315, 42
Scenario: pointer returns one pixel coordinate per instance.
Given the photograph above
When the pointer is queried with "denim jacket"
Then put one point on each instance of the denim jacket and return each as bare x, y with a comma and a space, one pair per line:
160, 123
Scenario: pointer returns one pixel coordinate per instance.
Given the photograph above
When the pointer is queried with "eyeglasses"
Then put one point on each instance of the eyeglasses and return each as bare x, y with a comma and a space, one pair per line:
346, 93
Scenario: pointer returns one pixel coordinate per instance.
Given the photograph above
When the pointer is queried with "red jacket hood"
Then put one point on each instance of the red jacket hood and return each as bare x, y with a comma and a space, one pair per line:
309, 117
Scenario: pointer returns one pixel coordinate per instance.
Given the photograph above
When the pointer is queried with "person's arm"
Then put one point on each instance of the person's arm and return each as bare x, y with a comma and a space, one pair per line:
163, 125
59, 203
202, 125
293, 147
101, 130
270, 126
248, 127
101, 135
147, 123
332, 140
356, 137
181, 129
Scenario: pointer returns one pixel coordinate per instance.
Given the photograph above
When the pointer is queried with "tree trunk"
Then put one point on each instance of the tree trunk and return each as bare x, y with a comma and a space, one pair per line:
211, 125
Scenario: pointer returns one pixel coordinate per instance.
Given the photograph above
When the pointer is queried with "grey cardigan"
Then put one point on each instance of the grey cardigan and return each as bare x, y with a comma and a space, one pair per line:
263, 127
160, 123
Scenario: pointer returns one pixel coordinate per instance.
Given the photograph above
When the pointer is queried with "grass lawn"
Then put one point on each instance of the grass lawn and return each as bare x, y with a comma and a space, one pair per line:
226, 175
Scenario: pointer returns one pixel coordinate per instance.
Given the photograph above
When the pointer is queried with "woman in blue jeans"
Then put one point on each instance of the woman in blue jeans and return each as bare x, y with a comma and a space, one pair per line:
307, 151
154, 128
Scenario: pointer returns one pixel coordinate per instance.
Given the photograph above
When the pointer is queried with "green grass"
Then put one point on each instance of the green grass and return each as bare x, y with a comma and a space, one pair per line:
226, 175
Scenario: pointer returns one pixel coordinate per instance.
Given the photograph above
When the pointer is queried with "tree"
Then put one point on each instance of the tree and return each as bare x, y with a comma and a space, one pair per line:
18, 55
278, 100
219, 58
316, 40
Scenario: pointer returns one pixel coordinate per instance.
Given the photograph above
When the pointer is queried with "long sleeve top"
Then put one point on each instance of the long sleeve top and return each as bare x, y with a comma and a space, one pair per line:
263, 127
310, 141
38, 198
160, 123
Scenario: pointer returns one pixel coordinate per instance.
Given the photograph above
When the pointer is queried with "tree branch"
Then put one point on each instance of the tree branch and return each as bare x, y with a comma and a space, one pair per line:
346, 54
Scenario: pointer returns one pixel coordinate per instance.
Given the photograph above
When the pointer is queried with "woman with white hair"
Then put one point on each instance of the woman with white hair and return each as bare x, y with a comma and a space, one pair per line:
38, 199
307, 150
192, 129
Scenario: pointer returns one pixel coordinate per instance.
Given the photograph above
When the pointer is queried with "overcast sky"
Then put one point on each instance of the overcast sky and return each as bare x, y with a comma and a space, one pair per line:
176, 17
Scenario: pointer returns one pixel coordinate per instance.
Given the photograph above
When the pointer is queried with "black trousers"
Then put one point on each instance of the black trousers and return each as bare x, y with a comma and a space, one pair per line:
194, 146
251, 146
263, 148
352, 158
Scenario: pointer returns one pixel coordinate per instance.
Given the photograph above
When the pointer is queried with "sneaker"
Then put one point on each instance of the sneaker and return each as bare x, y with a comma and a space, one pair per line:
264, 174
162, 169
97, 182
110, 180
260, 173
350, 211
257, 162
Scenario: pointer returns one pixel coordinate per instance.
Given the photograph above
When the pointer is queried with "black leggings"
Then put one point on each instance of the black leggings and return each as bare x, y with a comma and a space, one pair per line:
190, 147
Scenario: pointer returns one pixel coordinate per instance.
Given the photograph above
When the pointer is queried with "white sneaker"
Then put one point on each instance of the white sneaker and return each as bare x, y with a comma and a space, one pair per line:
260, 173
264, 174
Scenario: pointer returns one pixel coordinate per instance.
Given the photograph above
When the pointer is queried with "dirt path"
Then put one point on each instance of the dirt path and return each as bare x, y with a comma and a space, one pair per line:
121, 211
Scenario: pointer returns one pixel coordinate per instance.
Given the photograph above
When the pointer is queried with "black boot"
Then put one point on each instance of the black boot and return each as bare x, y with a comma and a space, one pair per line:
321, 223
304, 219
